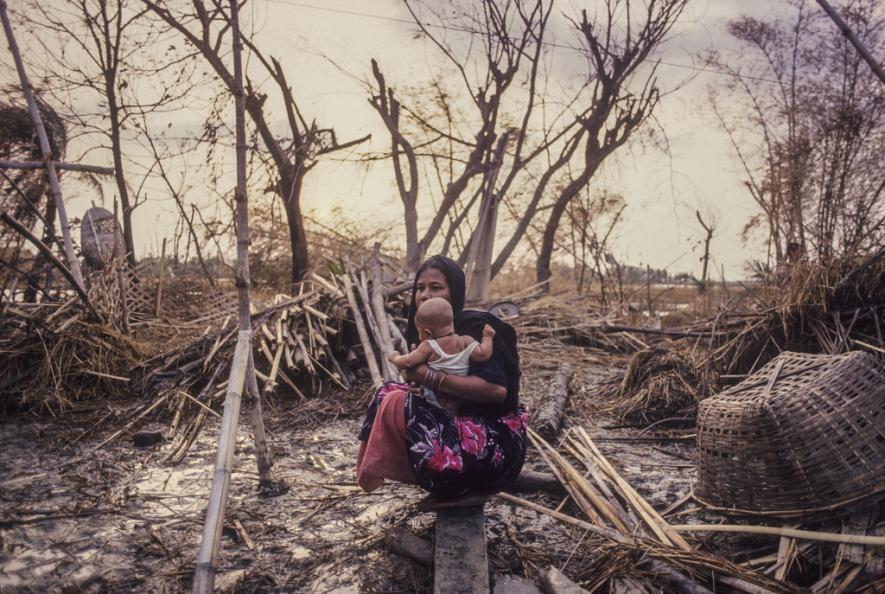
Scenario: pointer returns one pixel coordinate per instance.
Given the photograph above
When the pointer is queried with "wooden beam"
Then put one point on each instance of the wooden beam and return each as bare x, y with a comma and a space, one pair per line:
549, 415
461, 564
6, 164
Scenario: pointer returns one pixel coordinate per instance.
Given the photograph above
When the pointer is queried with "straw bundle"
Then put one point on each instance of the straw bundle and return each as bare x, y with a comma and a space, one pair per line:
659, 384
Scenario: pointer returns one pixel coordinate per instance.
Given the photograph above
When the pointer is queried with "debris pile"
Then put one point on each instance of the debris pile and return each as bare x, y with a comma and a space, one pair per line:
625, 538
659, 384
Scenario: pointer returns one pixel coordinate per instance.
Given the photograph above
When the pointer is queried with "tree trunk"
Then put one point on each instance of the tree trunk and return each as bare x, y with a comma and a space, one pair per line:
291, 192
117, 151
549, 238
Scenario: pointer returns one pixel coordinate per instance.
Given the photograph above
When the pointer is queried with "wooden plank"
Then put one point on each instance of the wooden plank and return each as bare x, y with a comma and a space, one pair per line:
514, 584
461, 564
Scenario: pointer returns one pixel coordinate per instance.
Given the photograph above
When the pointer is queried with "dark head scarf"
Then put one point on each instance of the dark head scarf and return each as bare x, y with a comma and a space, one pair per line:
471, 323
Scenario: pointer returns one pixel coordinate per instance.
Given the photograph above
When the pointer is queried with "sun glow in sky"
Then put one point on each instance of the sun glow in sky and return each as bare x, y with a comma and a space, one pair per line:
325, 48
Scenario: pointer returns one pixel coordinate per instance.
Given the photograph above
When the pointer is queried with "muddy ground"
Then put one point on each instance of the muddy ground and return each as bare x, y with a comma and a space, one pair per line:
119, 520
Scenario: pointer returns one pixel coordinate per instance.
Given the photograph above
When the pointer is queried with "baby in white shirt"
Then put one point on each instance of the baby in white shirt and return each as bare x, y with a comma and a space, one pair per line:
444, 351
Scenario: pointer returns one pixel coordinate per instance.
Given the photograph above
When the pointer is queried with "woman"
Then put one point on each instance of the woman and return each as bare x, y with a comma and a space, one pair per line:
480, 448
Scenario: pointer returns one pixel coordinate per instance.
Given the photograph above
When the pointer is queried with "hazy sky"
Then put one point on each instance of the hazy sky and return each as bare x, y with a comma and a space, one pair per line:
662, 191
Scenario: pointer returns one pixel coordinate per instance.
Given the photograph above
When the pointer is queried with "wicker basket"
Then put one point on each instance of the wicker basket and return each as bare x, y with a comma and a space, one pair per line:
805, 431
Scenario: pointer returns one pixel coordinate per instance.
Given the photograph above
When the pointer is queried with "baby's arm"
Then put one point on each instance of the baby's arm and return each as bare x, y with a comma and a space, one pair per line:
483, 352
413, 359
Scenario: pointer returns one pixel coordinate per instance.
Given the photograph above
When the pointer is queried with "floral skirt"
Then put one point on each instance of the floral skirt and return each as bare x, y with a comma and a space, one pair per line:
453, 454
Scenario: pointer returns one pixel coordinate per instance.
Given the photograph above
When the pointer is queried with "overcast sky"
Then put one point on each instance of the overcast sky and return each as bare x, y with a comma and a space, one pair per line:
662, 192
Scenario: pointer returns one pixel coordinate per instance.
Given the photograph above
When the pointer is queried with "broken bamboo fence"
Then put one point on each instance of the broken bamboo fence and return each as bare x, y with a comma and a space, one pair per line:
73, 263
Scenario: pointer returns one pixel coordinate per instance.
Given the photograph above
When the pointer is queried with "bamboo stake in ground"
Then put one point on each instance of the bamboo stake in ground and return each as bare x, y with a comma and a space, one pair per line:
46, 151
263, 457
204, 577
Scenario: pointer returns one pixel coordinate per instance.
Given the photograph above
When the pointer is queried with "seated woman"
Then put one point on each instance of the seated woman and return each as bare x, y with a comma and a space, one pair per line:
481, 447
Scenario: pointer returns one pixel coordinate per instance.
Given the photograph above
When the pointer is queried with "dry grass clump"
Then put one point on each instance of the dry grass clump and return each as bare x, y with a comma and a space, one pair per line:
660, 384
820, 308
52, 368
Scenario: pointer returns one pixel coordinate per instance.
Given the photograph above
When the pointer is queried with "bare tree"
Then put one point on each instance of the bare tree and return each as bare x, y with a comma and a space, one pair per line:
591, 220
549, 150
509, 35
617, 46
806, 118
709, 228
204, 24
109, 62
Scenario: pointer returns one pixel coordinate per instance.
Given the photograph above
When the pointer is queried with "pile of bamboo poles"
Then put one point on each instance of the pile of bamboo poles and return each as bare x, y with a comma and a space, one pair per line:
616, 513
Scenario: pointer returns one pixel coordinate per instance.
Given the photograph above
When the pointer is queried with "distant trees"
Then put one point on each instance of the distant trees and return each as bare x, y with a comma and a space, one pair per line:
526, 151
806, 117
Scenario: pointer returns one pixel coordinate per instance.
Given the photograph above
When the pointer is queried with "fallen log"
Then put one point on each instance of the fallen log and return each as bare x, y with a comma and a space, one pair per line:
412, 546
552, 408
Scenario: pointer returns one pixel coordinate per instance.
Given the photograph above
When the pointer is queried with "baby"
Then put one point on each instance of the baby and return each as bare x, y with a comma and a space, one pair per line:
442, 349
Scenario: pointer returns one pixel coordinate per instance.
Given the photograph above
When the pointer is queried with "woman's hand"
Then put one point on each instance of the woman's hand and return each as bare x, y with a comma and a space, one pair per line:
415, 374
471, 388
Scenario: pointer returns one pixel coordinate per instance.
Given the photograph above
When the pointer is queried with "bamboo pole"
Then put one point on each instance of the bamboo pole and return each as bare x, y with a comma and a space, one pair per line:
381, 314
161, 275
7, 164
858, 45
645, 510
204, 577
361, 330
373, 326
574, 477
785, 532
45, 149
263, 457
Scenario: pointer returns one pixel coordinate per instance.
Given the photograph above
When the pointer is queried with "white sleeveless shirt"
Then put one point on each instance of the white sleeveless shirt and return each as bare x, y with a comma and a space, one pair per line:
455, 364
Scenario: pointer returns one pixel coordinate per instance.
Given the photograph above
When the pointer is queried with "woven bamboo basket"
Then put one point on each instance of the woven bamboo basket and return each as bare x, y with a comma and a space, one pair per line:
805, 431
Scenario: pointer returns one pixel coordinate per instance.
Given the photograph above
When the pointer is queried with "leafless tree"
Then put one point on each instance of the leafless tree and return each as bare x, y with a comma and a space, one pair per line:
709, 227
621, 96
108, 61
509, 47
806, 117
591, 220
204, 25
554, 146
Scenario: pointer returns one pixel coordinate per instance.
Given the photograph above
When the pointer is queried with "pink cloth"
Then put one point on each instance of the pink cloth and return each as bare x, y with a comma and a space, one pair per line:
384, 455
